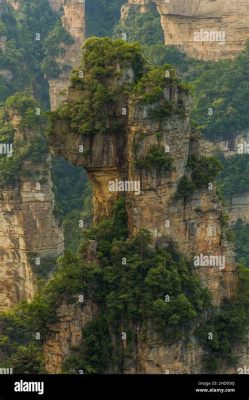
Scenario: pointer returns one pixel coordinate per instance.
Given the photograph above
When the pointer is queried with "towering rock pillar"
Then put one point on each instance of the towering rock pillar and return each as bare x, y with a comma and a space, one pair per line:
30, 235
119, 157
73, 20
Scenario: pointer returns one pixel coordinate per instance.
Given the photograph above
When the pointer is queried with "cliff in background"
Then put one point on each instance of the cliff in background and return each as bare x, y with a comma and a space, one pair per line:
182, 19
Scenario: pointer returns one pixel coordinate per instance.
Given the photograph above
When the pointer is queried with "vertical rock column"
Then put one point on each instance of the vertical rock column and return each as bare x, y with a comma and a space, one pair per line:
73, 20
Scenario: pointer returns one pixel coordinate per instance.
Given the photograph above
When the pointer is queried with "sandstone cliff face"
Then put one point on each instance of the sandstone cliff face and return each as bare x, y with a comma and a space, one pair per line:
29, 229
66, 333
73, 20
154, 357
222, 25
195, 225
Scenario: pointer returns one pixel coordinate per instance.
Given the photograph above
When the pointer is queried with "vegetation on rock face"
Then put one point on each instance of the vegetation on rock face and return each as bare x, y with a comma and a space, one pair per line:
23, 51
226, 96
96, 108
73, 200
144, 28
24, 58
133, 285
202, 172
241, 238
34, 38
54, 47
153, 86
234, 178
111, 71
227, 327
30, 145
185, 188
156, 158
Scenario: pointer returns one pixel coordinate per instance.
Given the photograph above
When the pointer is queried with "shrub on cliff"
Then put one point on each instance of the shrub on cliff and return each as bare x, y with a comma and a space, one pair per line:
156, 158
185, 188
105, 77
202, 171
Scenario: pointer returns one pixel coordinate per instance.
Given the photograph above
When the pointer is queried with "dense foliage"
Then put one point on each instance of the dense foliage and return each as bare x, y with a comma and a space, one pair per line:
157, 158
23, 52
33, 38
226, 96
73, 199
241, 237
226, 327
234, 178
146, 29
133, 285
201, 172
112, 70
101, 16
95, 109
